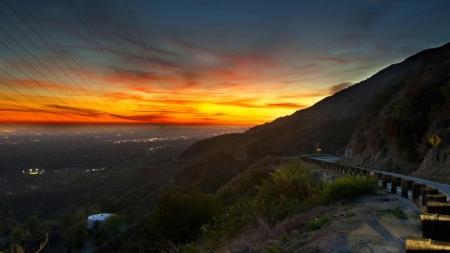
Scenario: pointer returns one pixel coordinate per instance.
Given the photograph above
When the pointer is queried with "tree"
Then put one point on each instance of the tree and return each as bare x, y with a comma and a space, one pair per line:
66, 221
79, 235
114, 225
179, 216
16, 234
33, 224
9, 224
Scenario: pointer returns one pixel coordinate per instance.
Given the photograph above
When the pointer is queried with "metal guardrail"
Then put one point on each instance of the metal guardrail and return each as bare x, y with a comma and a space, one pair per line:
435, 218
320, 155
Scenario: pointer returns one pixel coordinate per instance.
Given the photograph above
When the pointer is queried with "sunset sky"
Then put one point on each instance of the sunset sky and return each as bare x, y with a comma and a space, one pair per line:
202, 62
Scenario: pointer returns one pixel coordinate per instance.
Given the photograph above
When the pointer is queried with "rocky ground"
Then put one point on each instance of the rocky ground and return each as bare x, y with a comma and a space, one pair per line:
367, 224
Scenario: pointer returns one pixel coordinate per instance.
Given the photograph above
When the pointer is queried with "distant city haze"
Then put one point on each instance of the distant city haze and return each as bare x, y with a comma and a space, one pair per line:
52, 148
216, 63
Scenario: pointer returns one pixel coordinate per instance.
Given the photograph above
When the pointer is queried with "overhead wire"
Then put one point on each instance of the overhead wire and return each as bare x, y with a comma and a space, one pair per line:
44, 108
70, 56
148, 55
40, 113
104, 54
81, 107
101, 48
98, 96
35, 110
32, 79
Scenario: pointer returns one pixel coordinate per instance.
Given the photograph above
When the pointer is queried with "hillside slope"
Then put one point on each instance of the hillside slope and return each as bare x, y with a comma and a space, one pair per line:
394, 133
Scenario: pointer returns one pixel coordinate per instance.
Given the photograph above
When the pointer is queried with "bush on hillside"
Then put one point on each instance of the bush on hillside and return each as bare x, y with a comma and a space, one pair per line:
346, 187
243, 186
282, 194
179, 216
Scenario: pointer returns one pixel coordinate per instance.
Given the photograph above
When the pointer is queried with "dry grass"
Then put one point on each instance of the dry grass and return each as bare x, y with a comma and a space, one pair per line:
256, 237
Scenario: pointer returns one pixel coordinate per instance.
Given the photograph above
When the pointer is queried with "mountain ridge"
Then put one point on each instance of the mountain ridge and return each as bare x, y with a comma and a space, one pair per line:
328, 124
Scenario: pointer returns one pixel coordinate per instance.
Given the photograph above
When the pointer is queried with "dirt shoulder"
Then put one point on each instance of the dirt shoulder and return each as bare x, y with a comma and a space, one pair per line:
367, 224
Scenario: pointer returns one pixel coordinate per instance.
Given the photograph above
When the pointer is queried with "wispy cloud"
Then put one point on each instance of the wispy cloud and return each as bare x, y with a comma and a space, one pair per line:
286, 105
77, 110
331, 59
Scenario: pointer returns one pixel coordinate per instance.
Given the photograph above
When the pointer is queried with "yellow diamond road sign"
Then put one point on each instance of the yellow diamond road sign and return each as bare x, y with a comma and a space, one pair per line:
435, 140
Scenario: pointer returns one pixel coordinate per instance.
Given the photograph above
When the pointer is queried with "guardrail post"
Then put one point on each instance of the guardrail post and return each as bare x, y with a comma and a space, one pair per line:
404, 192
416, 191
436, 197
384, 181
419, 244
425, 192
438, 207
435, 226
394, 181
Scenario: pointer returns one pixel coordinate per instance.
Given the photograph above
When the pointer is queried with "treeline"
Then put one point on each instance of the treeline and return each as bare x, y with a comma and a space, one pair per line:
65, 232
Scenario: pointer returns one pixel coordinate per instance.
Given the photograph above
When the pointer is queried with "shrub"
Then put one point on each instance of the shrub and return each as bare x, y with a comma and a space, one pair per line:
283, 193
33, 224
16, 234
244, 185
346, 187
179, 216
319, 223
114, 225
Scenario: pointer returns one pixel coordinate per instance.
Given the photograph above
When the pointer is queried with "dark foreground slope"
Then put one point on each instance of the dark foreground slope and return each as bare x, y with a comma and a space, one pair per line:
333, 120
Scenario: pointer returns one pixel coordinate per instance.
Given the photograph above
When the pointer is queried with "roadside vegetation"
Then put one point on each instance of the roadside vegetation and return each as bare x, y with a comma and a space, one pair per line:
261, 198
198, 223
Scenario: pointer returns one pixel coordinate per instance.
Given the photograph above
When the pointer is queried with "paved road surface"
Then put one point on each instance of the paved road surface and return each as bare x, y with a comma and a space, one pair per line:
444, 188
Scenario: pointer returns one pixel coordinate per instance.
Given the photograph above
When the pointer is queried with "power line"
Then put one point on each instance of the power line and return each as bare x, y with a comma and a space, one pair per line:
33, 69
34, 110
42, 65
62, 58
68, 54
30, 88
145, 48
56, 106
98, 44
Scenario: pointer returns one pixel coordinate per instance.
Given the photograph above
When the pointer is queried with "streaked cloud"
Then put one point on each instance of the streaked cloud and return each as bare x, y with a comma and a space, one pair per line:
331, 59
